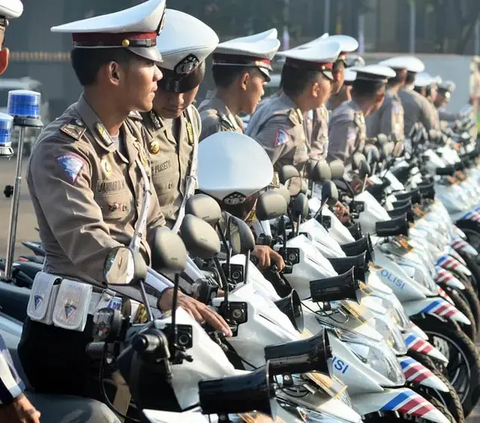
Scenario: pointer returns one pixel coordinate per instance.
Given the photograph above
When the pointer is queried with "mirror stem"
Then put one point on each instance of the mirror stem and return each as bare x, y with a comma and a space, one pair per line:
145, 301
223, 279
174, 308
225, 244
247, 263
299, 221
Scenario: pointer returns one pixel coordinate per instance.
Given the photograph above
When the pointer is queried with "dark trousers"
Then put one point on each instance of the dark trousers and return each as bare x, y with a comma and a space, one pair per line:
55, 360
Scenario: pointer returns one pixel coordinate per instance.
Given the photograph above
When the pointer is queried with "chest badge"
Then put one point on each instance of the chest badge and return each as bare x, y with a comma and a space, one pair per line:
154, 147
107, 167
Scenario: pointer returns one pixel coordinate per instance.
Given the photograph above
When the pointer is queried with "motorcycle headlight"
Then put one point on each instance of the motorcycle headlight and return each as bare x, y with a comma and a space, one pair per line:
392, 335
397, 312
379, 357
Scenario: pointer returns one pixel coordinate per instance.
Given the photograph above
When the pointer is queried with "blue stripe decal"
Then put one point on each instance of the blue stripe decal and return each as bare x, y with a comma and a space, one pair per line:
396, 401
411, 338
430, 307
406, 362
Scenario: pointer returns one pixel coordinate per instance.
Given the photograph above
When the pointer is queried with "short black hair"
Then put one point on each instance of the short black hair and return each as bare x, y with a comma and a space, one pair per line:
410, 78
86, 62
295, 80
224, 76
396, 79
365, 88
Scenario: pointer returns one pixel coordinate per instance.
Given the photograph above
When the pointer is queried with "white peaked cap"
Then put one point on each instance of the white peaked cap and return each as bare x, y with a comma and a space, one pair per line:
255, 50
135, 29
448, 86
374, 72
410, 63
11, 9
350, 75
185, 42
319, 56
424, 79
232, 164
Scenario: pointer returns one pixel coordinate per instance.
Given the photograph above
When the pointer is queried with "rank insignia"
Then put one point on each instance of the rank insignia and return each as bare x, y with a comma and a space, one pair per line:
155, 120
154, 147
107, 167
234, 199
103, 134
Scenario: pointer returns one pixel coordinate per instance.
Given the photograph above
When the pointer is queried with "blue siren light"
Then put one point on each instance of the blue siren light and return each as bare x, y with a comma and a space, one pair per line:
24, 103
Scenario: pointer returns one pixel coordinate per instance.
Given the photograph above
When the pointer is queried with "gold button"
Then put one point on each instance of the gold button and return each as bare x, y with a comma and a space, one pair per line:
125, 43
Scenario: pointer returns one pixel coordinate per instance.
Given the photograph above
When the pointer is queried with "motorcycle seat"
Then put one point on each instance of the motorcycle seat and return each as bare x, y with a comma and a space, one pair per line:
14, 300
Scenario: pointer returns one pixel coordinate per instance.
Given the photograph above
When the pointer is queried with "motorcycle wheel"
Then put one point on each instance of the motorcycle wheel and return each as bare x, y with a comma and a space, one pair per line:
472, 231
396, 417
473, 266
449, 399
462, 305
469, 295
463, 369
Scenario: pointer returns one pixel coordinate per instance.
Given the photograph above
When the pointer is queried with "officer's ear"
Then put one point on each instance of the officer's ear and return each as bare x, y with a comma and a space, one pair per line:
114, 73
244, 80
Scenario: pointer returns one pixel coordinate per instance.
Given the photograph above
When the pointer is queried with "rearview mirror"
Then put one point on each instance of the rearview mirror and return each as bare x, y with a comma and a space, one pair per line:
284, 192
270, 205
364, 169
287, 172
357, 159
240, 236
321, 172
300, 206
337, 169
124, 266
199, 237
329, 193
204, 207
294, 185
168, 251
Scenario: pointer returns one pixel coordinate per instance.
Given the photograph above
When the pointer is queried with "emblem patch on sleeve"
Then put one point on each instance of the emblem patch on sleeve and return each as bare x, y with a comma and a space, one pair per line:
281, 138
71, 165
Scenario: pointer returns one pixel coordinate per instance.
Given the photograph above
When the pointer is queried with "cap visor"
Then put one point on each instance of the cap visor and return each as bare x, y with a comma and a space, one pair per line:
328, 75
150, 53
266, 73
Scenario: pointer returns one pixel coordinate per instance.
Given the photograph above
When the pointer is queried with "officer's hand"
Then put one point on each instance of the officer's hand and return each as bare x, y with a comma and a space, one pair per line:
200, 312
20, 410
265, 255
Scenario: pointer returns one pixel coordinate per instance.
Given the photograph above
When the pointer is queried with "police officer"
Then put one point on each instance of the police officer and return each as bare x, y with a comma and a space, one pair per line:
345, 93
174, 124
416, 108
86, 177
241, 68
316, 121
389, 119
306, 84
347, 123
444, 91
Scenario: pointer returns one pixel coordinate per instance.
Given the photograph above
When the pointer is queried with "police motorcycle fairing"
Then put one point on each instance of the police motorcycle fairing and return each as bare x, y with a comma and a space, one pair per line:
210, 190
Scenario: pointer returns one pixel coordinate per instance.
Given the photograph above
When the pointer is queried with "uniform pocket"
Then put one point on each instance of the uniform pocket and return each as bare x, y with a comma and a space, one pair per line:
114, 199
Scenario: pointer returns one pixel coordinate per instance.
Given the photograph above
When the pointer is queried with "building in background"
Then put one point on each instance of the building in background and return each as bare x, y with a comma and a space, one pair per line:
440, 26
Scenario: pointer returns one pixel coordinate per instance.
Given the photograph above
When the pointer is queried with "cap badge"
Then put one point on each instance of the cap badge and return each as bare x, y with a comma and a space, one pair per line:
187, 64
234, 199
154, 147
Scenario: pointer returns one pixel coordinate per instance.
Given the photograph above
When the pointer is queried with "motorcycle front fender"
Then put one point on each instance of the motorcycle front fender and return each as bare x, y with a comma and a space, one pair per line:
436, 306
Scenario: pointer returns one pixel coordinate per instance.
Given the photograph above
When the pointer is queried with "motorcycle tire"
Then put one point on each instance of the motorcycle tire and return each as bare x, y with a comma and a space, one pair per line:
463, 356
469, 295
473, 264
462, 305
472, 231
449, 399
395, 417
